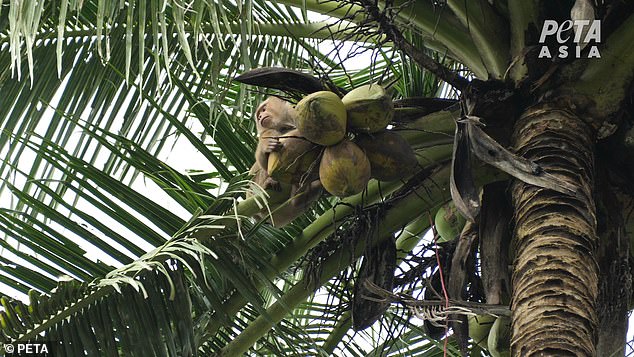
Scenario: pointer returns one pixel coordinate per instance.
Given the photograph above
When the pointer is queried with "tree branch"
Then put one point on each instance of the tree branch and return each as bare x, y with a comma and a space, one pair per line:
395, 35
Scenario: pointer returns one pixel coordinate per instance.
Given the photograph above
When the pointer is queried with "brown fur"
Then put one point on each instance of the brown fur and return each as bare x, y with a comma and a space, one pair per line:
275, 117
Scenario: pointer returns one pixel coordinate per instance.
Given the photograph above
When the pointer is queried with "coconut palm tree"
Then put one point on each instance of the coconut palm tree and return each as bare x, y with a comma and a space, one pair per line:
127, 140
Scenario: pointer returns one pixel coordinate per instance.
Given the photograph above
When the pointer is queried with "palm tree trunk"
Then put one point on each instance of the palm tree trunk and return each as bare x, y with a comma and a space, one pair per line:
555, 274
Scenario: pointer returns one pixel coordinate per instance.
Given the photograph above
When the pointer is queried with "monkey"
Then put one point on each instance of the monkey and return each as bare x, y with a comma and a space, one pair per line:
275, 117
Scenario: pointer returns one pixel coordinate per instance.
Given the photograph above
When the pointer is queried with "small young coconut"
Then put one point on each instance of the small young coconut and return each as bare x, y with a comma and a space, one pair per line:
391, 157
369, 108
295, 161
321, 117
499, 341
344, 169
448, 222
479, 327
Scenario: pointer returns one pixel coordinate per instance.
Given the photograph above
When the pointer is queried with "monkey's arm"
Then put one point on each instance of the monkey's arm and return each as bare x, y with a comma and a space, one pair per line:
261, 176
261, 156
301, 198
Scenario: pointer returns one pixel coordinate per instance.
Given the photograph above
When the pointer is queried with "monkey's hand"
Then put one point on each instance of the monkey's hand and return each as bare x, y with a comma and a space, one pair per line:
272, 144
271, 183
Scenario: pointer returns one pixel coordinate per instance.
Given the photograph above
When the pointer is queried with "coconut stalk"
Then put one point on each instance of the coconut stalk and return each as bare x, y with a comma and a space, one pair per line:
555, 270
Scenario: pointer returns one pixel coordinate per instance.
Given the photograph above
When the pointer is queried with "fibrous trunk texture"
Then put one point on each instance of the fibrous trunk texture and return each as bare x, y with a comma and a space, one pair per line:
555, 272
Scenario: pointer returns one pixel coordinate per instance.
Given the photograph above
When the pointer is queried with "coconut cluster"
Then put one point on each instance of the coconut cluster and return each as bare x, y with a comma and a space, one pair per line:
324, 123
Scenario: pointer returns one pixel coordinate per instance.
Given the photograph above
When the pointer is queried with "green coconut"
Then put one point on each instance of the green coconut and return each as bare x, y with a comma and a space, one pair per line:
369, 108
295, 162
448, 222
321, 117
499, 341
391, 157
479, 327
344, 169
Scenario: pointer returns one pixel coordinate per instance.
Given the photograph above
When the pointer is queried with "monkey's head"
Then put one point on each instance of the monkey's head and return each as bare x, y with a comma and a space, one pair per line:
275, 113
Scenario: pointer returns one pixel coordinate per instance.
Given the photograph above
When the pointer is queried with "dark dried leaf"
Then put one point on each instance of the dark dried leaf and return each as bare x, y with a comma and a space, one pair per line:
463, 190
281, 78
495, 236
456, 284
378, 267
433, 292
489, 151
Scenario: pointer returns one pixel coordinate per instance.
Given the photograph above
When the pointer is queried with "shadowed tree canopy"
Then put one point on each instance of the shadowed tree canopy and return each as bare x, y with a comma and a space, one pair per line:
127, 217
